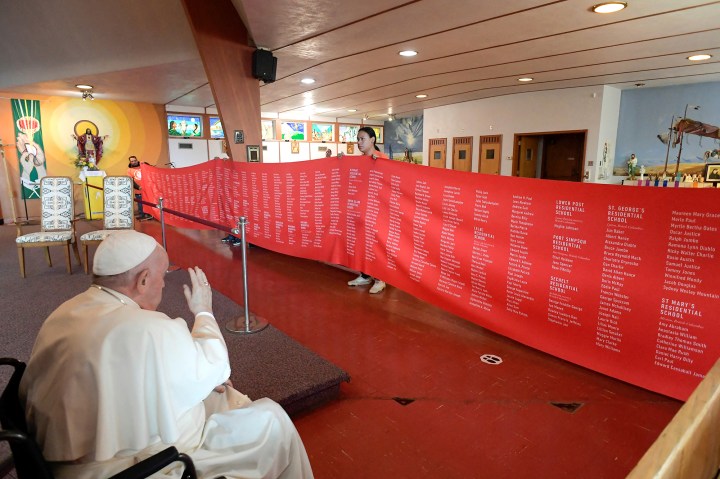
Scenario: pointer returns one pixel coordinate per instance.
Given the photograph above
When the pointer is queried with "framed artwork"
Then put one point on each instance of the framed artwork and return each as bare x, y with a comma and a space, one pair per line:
712, 173
323, 132
351, 148
295, 147
378, 133
185, 126
253, 154
293, 130
347, 133
268, 129
216, 129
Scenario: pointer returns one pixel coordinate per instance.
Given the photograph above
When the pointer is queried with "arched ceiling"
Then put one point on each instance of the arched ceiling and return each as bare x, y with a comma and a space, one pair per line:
467, 50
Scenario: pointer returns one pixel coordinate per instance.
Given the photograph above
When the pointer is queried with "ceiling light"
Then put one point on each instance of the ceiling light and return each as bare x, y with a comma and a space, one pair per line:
87, 94
407, 53
352, 110
391, 117
307, 81
609, 7
525, 79
697, 58
366, 117
421, 95
84, 87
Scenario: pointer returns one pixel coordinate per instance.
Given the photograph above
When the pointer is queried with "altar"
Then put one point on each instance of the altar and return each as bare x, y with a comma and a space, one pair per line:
93, 193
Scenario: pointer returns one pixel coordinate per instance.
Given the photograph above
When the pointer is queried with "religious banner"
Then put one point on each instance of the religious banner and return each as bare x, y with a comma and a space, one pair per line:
31, 151
619, 280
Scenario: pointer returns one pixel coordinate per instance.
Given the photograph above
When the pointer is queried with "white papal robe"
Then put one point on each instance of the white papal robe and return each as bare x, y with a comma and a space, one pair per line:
109, 384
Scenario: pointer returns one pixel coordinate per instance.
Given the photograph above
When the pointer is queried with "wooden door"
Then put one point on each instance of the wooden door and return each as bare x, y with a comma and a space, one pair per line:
528, 156
563, 157
490, 154
462, 153
438, 152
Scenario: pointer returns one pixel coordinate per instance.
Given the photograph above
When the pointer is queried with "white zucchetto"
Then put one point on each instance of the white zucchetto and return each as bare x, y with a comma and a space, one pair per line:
121, 251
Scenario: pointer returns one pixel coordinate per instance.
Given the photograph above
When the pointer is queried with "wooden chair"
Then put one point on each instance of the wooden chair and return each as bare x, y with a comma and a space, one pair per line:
57, 222
118, 212
27, 455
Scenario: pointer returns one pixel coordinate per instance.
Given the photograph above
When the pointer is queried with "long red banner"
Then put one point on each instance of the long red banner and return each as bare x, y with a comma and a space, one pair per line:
616, 279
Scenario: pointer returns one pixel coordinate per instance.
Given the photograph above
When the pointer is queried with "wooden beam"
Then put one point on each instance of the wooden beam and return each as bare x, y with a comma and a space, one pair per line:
223, 42
689, 447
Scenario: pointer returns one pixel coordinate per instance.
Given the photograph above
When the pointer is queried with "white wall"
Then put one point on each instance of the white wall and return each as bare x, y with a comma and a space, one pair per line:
601, 170
287, 156
536, 112
187, 152
215, 149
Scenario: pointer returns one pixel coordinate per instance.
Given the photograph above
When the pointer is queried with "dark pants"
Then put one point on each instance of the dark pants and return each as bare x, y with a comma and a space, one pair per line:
138, 197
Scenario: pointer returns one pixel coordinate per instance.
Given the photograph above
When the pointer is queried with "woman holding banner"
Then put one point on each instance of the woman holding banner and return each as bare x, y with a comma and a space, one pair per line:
366, 139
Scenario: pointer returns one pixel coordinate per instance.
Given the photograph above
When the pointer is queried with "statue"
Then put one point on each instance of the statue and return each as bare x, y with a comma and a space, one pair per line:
90, 145
632, 165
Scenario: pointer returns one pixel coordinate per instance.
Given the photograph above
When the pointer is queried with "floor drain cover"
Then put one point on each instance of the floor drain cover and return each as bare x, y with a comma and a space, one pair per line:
403, 401
490, 359
570, 407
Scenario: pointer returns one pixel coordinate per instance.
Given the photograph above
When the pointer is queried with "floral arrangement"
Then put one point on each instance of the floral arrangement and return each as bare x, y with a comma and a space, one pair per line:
82, 163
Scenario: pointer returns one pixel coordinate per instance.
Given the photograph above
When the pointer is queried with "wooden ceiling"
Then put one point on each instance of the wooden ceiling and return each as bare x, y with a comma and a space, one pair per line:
467, 49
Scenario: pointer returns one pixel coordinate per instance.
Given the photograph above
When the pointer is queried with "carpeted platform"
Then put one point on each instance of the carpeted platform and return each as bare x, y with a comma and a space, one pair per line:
265, 364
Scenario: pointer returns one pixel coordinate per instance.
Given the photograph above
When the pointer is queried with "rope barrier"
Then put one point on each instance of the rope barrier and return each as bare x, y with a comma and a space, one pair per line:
186, 216
201, 221
249, 323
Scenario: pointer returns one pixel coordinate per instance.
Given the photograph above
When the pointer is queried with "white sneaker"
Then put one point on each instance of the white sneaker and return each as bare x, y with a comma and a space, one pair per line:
377, 287
360, 281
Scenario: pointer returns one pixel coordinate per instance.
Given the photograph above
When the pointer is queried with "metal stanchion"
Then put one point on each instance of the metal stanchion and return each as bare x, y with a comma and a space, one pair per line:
252, 323
171, 267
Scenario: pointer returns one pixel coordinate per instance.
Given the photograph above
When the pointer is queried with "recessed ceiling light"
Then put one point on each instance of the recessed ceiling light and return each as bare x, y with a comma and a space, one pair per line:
697, 58
407, 53
84, 87
352, 110
525, 79
421, 95
307, 81
609, 7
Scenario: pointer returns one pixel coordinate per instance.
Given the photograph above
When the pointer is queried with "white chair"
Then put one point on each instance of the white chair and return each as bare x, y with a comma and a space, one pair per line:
117, 211
57, 223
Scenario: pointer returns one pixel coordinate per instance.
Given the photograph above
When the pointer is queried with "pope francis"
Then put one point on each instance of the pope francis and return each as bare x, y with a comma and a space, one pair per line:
111, 381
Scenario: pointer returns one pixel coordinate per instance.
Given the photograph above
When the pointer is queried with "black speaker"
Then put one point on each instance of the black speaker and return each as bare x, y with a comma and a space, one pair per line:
264, 65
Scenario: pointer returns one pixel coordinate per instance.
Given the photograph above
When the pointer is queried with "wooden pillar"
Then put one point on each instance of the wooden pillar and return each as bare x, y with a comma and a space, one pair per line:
224, 45
689, 447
